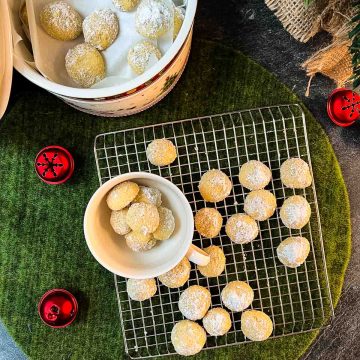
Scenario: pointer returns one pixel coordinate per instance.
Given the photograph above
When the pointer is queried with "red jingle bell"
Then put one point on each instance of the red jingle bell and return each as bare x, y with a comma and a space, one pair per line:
343, 107
54, 165
58, 308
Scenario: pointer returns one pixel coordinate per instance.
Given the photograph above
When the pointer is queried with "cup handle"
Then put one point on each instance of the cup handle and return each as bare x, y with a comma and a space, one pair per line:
197, 256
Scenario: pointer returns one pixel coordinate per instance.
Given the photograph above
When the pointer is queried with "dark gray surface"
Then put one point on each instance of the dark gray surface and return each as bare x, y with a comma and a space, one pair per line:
250, 27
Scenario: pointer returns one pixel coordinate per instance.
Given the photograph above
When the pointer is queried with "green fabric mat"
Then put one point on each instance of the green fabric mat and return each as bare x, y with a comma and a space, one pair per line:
41, 237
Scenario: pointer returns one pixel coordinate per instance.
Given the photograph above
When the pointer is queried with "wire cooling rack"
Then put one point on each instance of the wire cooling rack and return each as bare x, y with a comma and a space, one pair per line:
297, 300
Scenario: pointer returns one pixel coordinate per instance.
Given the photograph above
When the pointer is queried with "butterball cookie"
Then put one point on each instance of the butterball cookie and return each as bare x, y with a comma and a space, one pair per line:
237, 295
138, 241
215, 186
161, 152
166, 224
101, 28
293, 251
260, 204
118, 221
149, 195
143, 218
153, 18
140, 290
241, 228
125, 5
188, 337
216, 264
142, 56
254, 175
122, 195
295, 173
256, 325
61, 21
177, 276
85, 65
295, 212
194, 302
217, 322
208, 222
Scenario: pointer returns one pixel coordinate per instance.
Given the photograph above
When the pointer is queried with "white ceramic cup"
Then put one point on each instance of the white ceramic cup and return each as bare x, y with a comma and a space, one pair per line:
110, 249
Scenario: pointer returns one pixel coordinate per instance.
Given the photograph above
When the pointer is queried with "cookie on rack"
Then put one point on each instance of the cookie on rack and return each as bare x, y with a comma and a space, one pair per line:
177, 276
217, 322
293, 251
161, 152
188, 337
166, 224
237, 295
120, 196
256, 325
208, 222
295, 212
139, 242
178, 21
118, 221
215, 186
154, 18
125, 5
241, 228
216, 264
254, 175
143, 218
85, 65
61, 21
194, 302
142, 56
140, 290
260, 204
101, 28
295, 173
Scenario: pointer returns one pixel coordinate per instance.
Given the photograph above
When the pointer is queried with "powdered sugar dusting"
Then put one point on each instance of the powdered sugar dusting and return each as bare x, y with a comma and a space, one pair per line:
208, 222
216, 264
125, 5
137, 241
153, 18
118, 221
241, 228
295, 173
194, 302
254, 175
142, 56
61, 15
295, 212
101, 28
85, 65
215, 185
140, 290
260, 204
293, 251
217, 322
161, 152
237, 295
177, 276
143, 217
149, 195
166, 224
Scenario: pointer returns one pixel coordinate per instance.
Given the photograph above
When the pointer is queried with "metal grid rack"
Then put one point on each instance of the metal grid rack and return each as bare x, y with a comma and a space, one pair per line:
297, 300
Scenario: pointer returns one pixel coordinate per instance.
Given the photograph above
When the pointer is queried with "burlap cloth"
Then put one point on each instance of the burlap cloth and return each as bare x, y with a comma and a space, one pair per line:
303, 22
